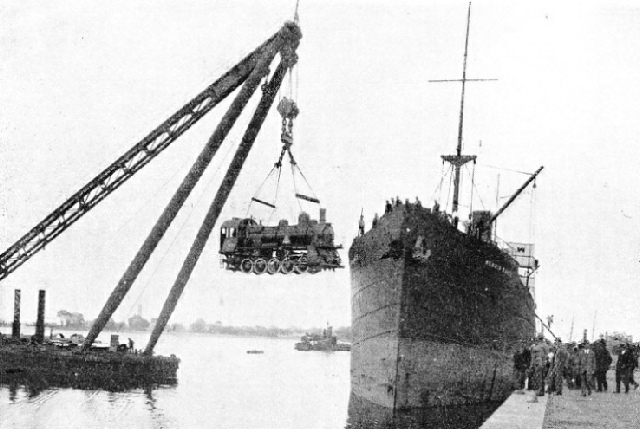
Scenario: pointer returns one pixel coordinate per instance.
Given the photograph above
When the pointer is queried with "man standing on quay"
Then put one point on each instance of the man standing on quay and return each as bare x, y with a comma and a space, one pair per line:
559, 366
587, 366
624, 367
603, 361
539, 358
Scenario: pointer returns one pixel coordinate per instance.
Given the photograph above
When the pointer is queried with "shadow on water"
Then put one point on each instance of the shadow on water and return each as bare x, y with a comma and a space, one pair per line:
366, 415
35, 382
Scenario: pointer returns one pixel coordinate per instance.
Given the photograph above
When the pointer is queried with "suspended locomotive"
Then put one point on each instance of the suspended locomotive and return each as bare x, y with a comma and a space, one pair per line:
307, 247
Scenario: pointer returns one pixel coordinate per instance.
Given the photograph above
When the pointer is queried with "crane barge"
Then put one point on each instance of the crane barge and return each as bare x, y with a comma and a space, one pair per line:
83, 366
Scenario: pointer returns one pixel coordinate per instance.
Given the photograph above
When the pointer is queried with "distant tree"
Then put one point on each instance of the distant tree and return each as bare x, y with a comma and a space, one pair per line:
64, 317
71, 320
138, 323
112, 325
199, 326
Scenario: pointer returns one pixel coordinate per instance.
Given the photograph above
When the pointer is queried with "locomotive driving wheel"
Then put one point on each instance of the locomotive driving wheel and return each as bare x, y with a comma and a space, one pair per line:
287, 266
246, 265
301, 266
273, 266
259, 266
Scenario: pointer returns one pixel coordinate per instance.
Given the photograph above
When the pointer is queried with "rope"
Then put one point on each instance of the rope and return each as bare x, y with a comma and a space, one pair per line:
479, 197
473, 185
295, 187
259, 189
449, 190
439, 186
276, 195
507, 169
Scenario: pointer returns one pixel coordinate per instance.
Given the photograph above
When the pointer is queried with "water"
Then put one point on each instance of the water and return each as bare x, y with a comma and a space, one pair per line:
220, 385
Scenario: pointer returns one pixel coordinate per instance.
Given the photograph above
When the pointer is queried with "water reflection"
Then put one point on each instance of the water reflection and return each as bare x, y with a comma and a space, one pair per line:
366, 415
35, 382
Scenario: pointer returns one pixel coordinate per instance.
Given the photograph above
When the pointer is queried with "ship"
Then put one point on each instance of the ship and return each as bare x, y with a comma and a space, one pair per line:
438, 306
327, 342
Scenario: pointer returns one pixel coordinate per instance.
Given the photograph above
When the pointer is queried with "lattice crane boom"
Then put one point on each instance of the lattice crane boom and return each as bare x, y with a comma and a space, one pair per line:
131, 162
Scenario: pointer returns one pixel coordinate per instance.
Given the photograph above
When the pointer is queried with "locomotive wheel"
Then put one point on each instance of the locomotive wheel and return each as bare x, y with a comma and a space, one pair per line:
259, 266
273, 266
314, 270
302, 266
286, 267
246, 265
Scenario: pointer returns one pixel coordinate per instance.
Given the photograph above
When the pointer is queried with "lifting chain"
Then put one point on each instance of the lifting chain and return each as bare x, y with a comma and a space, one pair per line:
288, 109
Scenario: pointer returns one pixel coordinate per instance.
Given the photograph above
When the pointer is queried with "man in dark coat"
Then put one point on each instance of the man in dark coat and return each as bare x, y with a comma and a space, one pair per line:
539, 360
636, 352
586, 367
624, 367
560, 361
521, 361
603, 361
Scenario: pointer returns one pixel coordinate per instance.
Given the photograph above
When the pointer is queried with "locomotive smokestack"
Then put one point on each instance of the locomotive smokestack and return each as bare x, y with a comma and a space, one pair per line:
323, 215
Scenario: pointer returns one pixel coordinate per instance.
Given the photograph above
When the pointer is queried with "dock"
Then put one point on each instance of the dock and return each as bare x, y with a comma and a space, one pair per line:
519, 412
569, 411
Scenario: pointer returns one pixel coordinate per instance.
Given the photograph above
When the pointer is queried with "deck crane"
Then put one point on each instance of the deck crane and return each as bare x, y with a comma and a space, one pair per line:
249, 73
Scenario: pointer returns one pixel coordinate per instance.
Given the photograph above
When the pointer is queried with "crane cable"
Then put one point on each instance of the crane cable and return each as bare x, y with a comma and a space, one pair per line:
288, 110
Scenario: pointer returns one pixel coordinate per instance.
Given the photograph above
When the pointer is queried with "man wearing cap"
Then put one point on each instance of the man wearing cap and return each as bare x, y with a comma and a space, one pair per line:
603, 361
539, 359
560, 361
624, 366
586, 367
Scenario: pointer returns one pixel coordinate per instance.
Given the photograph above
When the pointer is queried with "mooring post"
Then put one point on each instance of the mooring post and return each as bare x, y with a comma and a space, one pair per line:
15, 331
39, 335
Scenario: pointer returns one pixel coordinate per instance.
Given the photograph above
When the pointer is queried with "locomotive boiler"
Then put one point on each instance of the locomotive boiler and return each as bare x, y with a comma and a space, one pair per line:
307, 247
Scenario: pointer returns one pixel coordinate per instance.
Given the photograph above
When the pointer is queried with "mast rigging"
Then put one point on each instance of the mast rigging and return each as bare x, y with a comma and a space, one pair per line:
458, 160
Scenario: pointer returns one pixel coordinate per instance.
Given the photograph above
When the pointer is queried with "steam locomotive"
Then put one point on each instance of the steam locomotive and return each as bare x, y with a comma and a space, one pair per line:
307, 247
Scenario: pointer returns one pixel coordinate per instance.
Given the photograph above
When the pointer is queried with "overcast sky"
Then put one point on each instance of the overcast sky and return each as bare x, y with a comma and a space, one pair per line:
83, 81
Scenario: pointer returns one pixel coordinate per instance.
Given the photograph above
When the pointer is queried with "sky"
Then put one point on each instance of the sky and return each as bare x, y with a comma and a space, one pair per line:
83, 81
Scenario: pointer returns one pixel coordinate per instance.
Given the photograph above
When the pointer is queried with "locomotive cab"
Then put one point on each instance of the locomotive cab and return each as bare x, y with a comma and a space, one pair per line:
231, 232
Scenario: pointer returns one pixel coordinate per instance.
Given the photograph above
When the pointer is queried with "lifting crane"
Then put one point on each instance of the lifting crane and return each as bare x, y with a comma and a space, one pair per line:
249, 72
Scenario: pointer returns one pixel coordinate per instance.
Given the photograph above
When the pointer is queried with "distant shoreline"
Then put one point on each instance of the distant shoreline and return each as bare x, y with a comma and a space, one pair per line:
239, 332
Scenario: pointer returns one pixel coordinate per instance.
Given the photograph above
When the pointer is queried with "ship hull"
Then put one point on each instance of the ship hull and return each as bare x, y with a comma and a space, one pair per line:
436, 314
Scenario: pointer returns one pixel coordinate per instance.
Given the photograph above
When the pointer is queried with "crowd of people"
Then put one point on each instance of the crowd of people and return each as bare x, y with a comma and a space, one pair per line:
545, 367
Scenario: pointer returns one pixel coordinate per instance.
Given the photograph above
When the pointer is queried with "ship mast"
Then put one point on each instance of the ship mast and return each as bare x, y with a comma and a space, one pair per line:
458, 160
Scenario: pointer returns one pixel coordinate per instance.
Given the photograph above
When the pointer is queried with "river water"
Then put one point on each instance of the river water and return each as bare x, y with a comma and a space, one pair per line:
219, 385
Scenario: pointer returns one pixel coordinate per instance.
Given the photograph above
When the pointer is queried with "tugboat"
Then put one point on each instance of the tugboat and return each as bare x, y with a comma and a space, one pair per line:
327, 342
